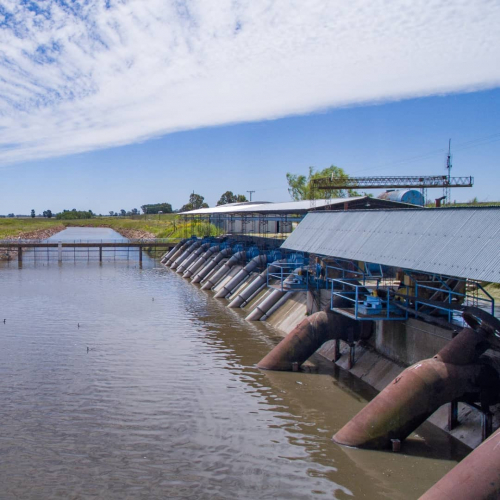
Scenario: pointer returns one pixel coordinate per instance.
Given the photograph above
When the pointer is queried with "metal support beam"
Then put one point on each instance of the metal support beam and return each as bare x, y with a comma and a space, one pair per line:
453, 415
424, 181
486, 424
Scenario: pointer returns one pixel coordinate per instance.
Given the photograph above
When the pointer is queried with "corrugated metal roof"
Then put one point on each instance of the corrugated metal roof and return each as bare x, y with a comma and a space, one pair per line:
229, 208
267, 207
462, 242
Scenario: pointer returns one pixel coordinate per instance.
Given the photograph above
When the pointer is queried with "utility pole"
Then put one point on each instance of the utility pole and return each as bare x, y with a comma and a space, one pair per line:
250, 194
447, 189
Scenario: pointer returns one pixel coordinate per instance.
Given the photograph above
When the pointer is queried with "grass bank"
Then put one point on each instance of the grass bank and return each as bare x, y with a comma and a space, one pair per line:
29, 228
165, 226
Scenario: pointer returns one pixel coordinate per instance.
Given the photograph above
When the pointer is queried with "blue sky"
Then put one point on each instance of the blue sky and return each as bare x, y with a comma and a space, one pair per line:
110, 105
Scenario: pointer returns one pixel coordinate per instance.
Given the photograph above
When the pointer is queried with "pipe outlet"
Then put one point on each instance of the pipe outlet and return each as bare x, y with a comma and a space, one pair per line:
265, 305
213, 280
228, 288
192, 257
185, 254
211, 264
195, 266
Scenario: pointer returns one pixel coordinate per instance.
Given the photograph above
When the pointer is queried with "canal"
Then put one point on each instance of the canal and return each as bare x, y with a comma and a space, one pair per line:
120, 382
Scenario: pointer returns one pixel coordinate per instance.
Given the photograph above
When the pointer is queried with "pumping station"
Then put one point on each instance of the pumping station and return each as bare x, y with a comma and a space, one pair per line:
396, 294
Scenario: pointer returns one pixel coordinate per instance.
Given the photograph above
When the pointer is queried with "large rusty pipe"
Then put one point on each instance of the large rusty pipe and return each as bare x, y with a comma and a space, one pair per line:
260, 260
179, 252
213, 280
172, 251
265, 305
185, 255
192, 257
419, 391
211, 264
202, 259
476, 477
305, 339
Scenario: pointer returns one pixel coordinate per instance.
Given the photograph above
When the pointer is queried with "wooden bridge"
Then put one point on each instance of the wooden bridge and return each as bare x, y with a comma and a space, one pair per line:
18, 246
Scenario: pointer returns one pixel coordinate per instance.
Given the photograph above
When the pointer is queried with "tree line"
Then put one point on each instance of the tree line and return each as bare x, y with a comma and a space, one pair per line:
299, 188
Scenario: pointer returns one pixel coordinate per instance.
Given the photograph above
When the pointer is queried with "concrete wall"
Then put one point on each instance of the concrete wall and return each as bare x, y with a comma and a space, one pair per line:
407, 342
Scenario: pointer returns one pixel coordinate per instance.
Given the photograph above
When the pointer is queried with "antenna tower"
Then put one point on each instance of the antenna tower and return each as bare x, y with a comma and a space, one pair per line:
447, 188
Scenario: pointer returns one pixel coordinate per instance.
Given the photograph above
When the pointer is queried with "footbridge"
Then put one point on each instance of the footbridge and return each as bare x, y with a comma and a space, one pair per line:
17, 246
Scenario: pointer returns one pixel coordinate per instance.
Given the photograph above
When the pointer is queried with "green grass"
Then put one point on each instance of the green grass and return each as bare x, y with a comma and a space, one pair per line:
163, 226
12, 228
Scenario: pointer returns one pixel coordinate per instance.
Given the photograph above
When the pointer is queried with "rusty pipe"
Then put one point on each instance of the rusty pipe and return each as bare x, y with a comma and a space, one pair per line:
417, 392
191, 258
241, 275
184, 255
205, 270
213, 280
306, 338
195, 266
476, 477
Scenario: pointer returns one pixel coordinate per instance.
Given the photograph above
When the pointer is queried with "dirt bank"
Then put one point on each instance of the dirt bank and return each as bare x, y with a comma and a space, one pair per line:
135, 234
38, 234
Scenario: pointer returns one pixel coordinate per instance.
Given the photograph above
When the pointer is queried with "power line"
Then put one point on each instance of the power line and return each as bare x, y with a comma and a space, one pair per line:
473, 143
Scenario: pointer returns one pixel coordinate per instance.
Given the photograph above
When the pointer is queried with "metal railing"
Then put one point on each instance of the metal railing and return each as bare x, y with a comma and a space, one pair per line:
460, 299
372, 307
288, 279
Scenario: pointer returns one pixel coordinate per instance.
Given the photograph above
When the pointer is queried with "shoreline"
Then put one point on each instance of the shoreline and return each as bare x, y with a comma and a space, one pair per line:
44, 233
37, 234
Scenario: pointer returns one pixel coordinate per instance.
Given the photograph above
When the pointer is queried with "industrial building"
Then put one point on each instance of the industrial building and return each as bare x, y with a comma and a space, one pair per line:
273, 220
397, 296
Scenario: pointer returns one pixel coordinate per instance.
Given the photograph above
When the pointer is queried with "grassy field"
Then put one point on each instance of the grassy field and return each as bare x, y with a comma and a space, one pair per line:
163, 226
12, 228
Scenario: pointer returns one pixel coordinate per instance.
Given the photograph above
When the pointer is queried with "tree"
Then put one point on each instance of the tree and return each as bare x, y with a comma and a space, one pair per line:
111, 213
154, 208
73, 214
32, 213
123, 212
47, 213
229, 197
196, 201
299, 186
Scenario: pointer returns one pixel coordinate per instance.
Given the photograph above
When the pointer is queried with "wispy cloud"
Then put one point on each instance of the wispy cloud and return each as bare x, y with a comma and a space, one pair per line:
82, 75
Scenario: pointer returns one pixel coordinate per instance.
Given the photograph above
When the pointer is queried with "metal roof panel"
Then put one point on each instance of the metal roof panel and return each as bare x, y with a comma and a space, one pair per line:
461, 242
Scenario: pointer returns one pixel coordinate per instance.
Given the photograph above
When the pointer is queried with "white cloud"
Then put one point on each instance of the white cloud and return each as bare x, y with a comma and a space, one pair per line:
110, 73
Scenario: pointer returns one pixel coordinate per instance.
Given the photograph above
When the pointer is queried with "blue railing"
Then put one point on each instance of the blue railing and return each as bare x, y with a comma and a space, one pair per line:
462, 298
365, 306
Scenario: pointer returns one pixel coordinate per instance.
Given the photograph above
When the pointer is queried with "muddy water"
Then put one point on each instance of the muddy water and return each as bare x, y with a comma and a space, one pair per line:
107, 393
